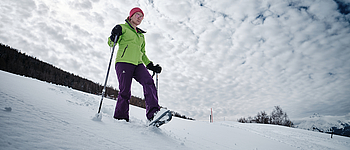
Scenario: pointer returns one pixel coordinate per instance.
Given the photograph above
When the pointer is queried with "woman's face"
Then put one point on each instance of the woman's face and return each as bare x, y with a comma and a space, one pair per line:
137, 18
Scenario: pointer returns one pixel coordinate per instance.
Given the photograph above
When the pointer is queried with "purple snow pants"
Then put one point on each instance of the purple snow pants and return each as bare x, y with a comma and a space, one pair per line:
126, 72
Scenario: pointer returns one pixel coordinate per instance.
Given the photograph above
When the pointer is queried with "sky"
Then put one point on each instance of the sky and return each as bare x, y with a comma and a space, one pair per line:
238, 57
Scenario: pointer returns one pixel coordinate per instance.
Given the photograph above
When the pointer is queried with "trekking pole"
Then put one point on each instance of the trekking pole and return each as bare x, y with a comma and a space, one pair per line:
154, 73
98, 115
157, 82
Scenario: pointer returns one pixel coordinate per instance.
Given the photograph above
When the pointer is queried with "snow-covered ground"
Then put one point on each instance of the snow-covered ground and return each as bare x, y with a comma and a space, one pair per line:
47, 116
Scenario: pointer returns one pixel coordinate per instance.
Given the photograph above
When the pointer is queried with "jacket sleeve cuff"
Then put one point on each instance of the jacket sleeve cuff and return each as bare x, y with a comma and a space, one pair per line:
150, 64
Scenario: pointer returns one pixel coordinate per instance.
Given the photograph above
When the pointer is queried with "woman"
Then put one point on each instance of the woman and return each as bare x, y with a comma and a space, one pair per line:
130, 61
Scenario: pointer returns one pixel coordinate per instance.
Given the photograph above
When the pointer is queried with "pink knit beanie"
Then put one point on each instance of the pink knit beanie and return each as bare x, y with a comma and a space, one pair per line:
134, 10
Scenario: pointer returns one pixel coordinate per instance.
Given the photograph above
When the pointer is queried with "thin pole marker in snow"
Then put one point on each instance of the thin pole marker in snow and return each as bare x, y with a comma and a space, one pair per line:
211, 115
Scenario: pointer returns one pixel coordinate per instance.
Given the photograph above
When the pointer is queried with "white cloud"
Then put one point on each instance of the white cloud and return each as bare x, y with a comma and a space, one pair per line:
80, 4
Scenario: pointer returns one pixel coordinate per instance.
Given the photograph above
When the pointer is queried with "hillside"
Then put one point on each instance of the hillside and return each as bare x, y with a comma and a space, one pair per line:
327, 124
39, 115
13, 61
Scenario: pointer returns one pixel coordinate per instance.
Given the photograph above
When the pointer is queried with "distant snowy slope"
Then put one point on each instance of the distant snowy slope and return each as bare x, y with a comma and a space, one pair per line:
316, 122
47, 116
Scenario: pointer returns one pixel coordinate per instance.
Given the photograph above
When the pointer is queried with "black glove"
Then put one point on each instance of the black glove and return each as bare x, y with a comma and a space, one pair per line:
156, 68
116, 31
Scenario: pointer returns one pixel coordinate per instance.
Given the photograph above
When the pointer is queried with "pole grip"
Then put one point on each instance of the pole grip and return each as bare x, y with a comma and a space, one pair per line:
153, 74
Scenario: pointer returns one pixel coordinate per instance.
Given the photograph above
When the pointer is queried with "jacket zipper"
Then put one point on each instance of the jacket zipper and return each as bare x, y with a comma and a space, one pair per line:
124, 51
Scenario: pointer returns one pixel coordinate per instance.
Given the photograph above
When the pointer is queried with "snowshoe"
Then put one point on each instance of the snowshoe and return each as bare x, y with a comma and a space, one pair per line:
163, 116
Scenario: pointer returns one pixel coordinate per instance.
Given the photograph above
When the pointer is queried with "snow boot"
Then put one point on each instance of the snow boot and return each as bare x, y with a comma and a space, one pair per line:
161, 117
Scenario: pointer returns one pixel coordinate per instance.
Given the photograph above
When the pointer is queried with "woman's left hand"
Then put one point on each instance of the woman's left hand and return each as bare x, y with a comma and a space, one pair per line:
157, 68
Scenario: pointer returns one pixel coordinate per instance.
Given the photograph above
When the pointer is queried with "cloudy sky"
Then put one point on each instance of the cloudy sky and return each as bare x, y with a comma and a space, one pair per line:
238, 57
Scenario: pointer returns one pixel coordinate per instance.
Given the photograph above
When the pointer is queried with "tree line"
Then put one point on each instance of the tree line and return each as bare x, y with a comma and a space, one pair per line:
13, 61
277, 117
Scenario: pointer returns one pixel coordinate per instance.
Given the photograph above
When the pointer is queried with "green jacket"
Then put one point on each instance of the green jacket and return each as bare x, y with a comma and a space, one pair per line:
131, 44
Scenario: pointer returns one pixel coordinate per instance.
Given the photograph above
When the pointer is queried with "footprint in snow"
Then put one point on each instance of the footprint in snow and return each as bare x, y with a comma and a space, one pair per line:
8, 109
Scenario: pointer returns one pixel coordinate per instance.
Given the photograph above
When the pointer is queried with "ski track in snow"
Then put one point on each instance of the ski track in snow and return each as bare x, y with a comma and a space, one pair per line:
29, 113
47, 116
293, 137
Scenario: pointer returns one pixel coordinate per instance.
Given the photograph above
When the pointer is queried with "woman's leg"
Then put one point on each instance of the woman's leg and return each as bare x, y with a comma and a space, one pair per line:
142, 76
125, 73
